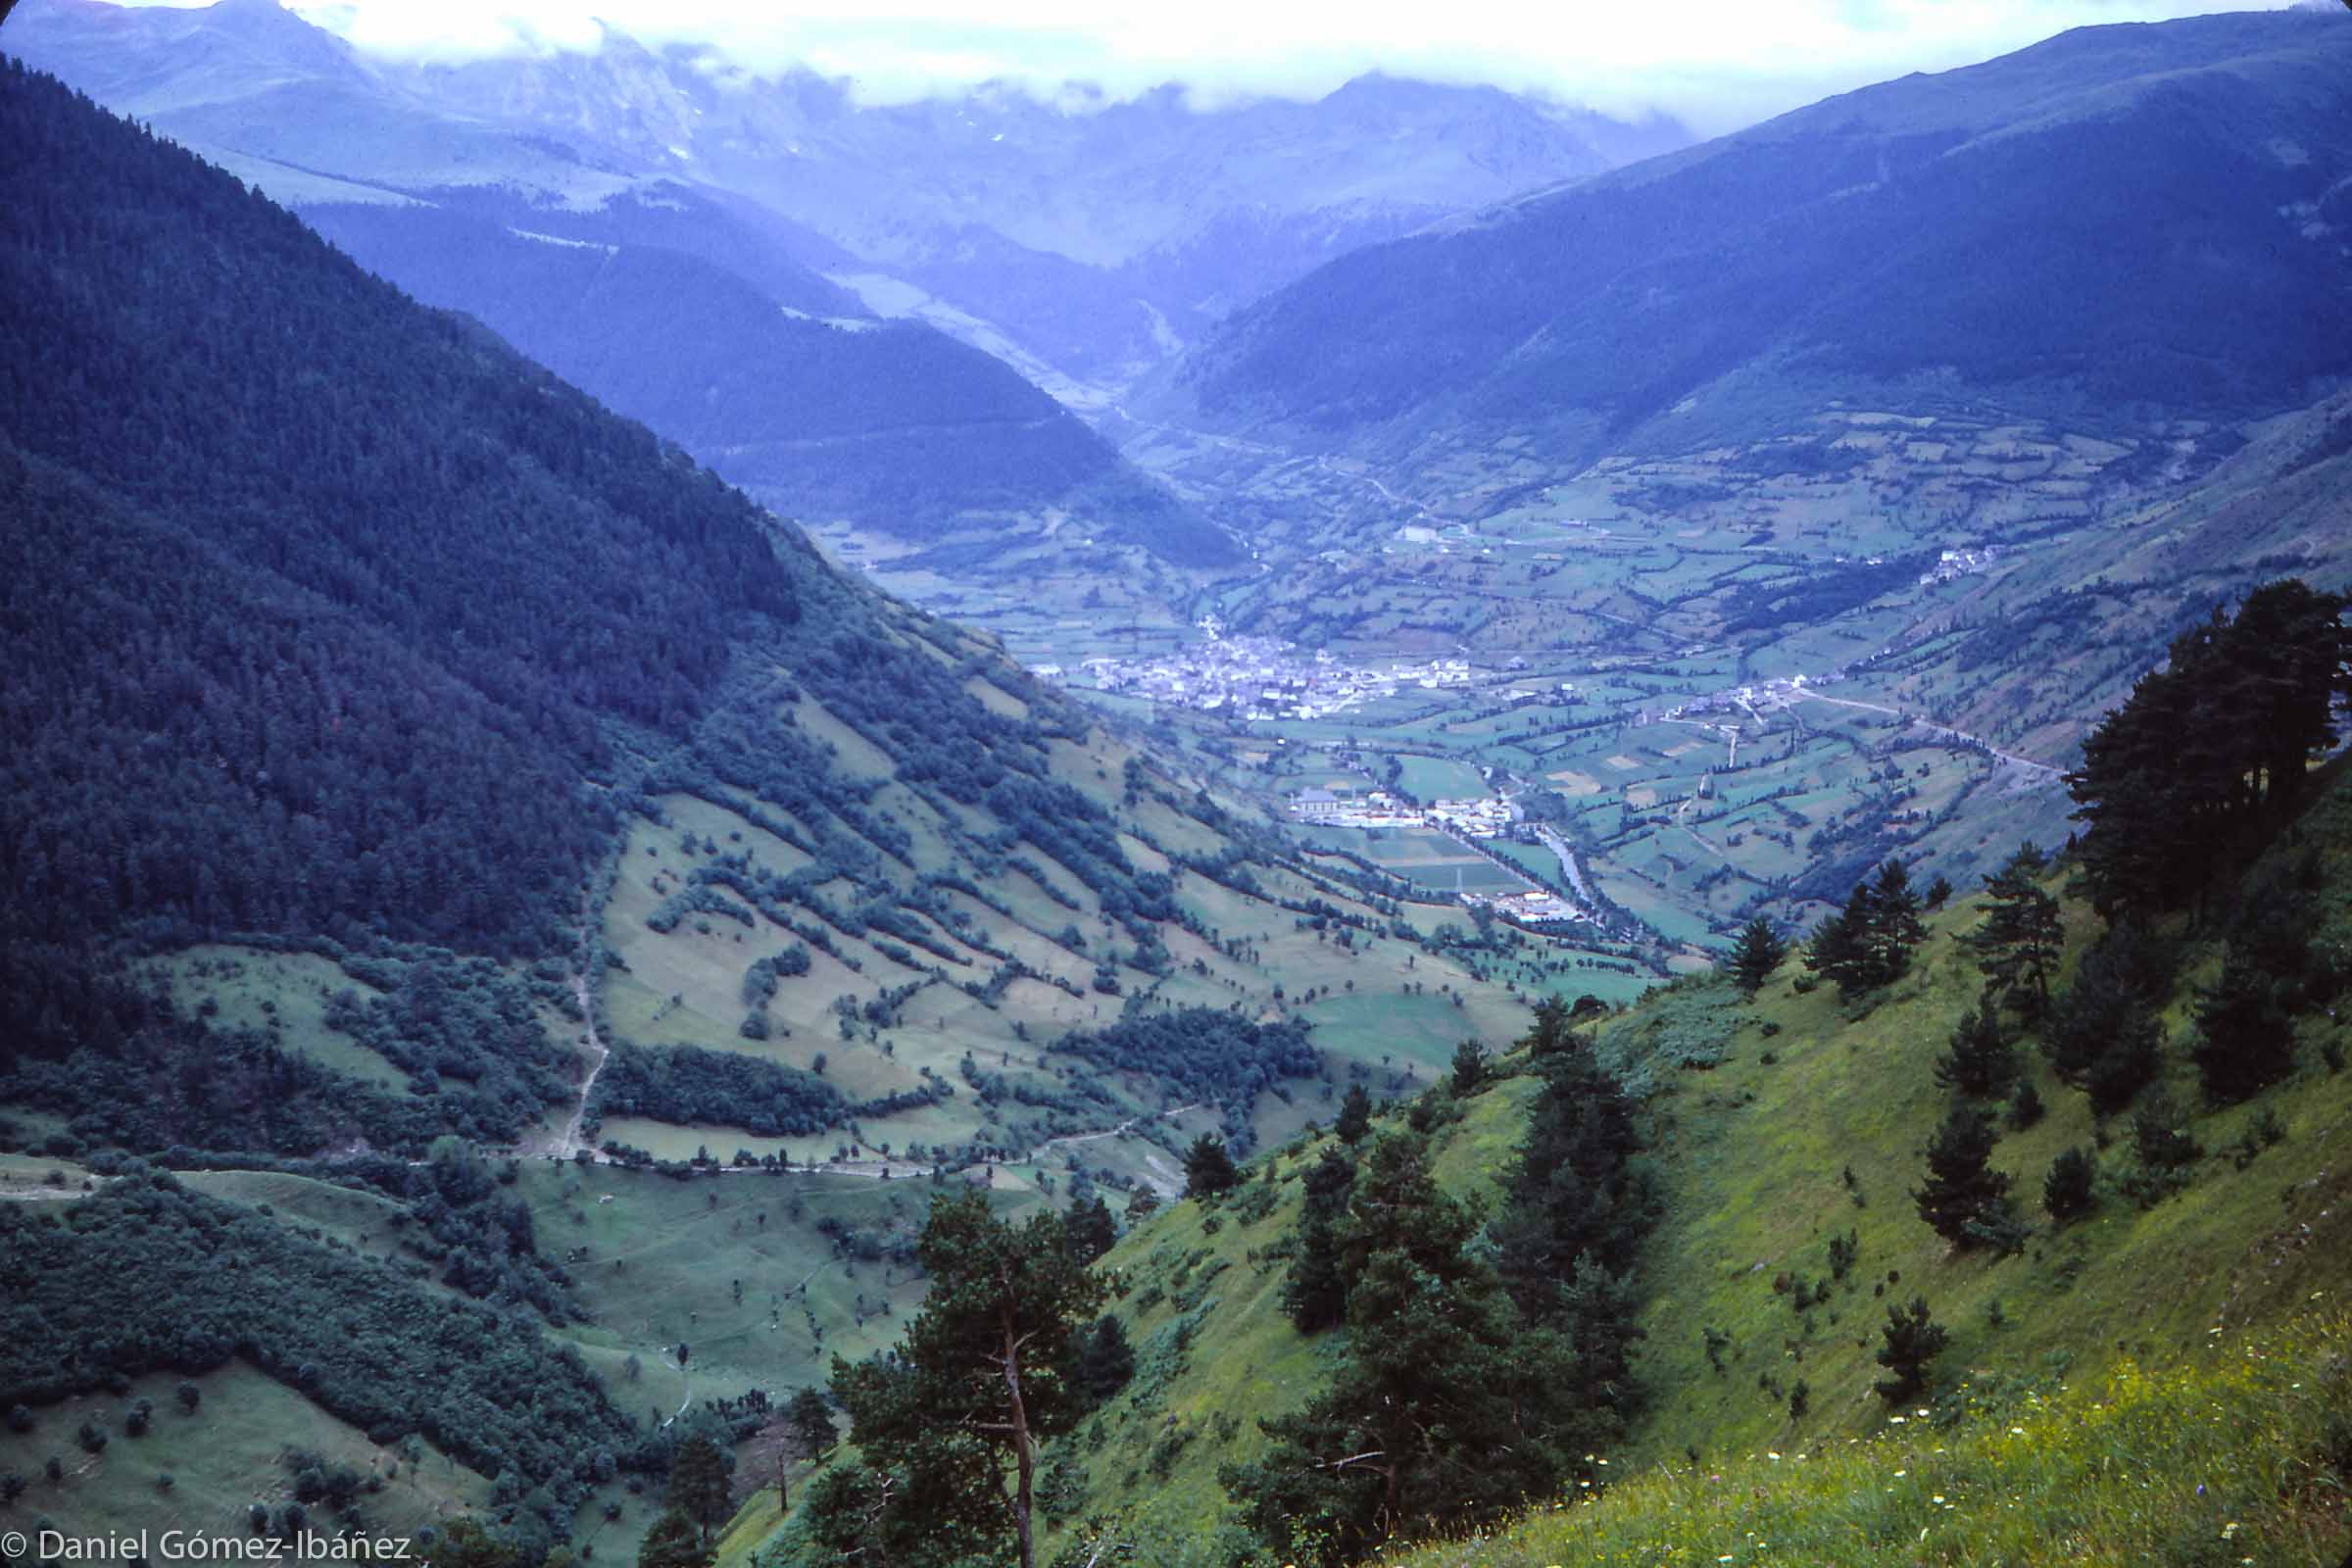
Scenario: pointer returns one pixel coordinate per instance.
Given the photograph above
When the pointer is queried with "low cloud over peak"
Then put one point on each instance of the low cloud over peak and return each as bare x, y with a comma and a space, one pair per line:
1713, 63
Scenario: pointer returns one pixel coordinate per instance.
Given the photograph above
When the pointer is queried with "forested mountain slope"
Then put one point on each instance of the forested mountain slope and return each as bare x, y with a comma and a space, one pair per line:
404, 753
690, 308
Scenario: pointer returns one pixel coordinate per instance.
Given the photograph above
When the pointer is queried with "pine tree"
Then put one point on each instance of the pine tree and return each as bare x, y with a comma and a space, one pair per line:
1913, 1341
1575, 1189
1208, 1169
1758, 955
1447, 1407
674, 1541
2102, 1035
1315, 1296
1469, 1067
1895, 930
2210, 749
811, 1416
1552, 1033
947, 1431
2245, 1036
2018, 945
1964, 1196
1839, 950
1982, 1063
1105, 1360
1355, 1115
1869, 943
1092, 1230
698, 1484
2068, 1190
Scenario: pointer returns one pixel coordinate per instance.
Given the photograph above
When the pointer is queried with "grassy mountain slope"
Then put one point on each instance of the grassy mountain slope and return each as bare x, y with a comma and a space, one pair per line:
1778, 1125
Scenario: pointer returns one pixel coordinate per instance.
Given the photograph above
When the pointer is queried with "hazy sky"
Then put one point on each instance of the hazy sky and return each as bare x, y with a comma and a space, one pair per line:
1716, 63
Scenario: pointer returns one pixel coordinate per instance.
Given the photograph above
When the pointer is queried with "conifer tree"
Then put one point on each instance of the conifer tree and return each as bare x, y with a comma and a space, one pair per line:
2102, 1035
1105, 1360
948, 1429
1448, 1408
1315, 1297
1982, 1063
1758, 955
1551, 1032
811, 1416
1964, 1197
2018, 942
1355, 1115
1913, 1340
1895, 924
1208, 1168
698, 1484
1839, 950
2209, 748
2245, 1036
1869, 943
2068, 1190
1469, 1067
1575, 1190
1091, 1231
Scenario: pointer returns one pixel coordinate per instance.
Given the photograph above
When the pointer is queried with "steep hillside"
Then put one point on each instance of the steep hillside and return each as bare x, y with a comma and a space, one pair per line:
685, 307
823, 416
1787, 1135
419, 769
1991, 226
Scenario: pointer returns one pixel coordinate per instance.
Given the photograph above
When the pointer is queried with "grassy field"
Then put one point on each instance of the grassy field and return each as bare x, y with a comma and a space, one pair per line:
2236, 1452
1436, 778
248, 987
226, 1455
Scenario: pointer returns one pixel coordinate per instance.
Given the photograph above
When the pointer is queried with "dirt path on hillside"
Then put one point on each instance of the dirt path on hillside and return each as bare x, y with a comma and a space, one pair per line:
598, 1052
1035, 1155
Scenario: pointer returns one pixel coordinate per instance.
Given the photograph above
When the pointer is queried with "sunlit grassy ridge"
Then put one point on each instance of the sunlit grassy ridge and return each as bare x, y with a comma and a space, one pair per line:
2239, 1453
1814, 1126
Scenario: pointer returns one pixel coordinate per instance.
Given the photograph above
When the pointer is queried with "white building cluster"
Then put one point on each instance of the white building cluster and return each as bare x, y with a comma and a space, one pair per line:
1485, 818
1263, 678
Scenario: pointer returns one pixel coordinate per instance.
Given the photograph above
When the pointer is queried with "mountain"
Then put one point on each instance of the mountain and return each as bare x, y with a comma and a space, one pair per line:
1083, 239
1825, 392
434, 800
2138, 216
689, 310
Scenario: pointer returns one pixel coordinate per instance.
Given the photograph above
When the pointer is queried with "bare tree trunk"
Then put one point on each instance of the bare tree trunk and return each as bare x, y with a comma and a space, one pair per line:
1024, 1457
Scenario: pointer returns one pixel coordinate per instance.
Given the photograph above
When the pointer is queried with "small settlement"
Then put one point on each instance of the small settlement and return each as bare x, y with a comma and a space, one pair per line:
1469, 820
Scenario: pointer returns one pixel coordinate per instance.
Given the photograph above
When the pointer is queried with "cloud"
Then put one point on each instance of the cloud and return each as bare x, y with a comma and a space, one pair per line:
1715, 63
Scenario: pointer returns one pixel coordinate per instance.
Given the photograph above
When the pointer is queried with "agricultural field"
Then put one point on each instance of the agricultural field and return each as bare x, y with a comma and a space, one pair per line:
202, 1470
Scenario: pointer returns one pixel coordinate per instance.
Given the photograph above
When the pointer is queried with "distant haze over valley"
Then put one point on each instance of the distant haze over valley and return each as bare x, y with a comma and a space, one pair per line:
1435, 788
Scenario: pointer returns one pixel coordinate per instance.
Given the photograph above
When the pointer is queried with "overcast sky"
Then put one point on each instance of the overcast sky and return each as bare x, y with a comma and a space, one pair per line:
1715, 63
